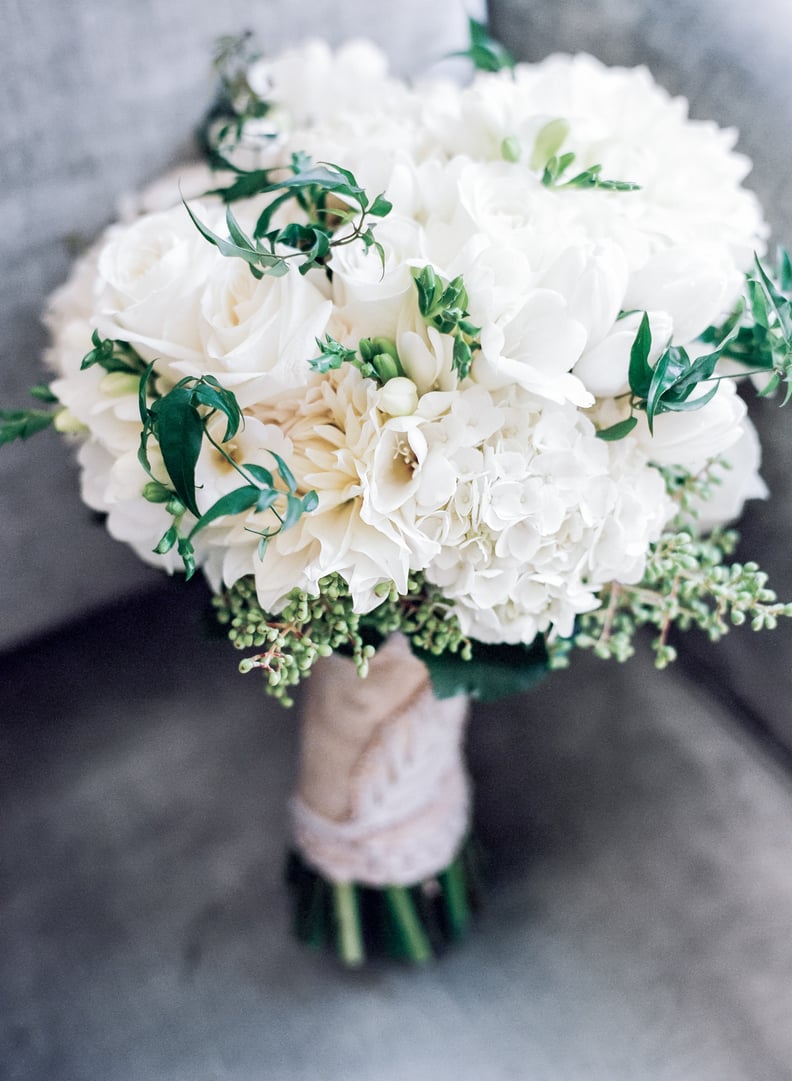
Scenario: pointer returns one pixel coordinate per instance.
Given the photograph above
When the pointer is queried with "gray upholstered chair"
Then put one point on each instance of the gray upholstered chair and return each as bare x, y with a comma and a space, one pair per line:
640, 843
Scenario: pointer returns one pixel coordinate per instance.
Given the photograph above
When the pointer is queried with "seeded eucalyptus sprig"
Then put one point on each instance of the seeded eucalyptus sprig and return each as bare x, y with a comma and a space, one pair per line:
328, 196
445, 307
309, 627
687, 583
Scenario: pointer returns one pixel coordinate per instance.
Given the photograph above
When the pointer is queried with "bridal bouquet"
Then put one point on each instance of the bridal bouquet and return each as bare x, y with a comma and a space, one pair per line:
449, 369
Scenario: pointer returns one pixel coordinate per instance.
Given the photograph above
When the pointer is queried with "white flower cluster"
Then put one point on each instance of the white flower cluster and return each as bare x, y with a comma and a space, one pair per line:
494, 485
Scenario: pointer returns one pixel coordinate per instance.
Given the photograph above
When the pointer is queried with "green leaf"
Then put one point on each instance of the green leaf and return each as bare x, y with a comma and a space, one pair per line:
332, 355
222, 400
179, 432
43, 394
380, 208
241, 499
640, 370
22, 423
286, 474
259, 473
485, 53
167, 541
493, 672
617, 431
294, 509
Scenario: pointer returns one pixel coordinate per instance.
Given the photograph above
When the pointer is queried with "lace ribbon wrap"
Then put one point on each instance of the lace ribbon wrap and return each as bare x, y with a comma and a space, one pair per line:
383, 796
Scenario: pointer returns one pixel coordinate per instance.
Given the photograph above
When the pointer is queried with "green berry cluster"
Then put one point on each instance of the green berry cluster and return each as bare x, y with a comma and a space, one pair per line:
687, 583
312, 626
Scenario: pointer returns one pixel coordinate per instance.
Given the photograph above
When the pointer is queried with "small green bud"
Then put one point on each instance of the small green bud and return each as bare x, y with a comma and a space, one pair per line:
549, 141
66, 423
511, 149
117, 384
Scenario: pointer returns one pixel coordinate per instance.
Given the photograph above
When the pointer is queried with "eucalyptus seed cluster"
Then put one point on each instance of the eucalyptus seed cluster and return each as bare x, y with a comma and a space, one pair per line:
309, 627
688, 489
687, 583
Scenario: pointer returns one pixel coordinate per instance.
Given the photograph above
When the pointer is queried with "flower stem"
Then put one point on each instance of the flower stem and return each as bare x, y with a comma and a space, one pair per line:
347, 915
455, 895
408, 924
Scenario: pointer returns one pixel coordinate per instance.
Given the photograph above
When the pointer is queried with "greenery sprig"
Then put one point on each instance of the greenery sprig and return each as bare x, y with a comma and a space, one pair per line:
555, 175
763, 338
179, 421
309, 627
327, 195
23, 423
375, 358
446, 308
485, 53
668, 387
114, 356
237, 102
687, 583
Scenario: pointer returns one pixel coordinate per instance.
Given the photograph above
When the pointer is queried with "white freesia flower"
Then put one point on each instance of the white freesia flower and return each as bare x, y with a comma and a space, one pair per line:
604, 370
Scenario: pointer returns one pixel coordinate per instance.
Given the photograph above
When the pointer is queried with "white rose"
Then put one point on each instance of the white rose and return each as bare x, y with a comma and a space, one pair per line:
150, 278
255, 326
370, 292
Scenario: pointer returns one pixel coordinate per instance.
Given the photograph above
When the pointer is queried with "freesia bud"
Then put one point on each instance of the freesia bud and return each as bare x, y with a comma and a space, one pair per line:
399, 397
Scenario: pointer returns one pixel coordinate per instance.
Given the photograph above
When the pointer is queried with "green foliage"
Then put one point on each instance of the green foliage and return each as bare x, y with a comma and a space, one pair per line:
557, 166
179, 421
445, 307
22, 423
669, 386
375, 358
491, 671
309, 627
113, 356
327, 196
687, 583
763, 339
484, 52
236, 103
